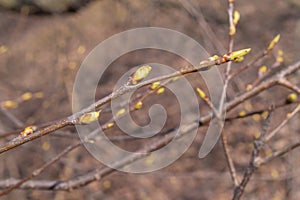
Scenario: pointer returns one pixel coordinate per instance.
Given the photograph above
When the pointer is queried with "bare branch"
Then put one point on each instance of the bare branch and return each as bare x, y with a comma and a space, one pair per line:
229, 160
283, 123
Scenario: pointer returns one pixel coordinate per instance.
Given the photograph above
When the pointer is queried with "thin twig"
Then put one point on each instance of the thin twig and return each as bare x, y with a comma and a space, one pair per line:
40, 169
214, 40
99, 173
229, 160
284, 82
283, 123
18, 123
278, 153
252, 167
71, 120
260, 111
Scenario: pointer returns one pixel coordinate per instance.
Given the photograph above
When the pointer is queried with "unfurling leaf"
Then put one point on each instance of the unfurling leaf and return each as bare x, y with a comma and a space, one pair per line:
90, 117
273, 42
140, 74
238, 54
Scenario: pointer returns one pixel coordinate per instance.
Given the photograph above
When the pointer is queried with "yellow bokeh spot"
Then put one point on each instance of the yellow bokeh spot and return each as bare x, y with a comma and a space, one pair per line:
26, 96
249, 87
72, 65
276, 198
256, 117
46, 146
242, 113
268, 152
149, 160
289, 115
39, 95
257, 135
81, 49
9, 104
248, 106
3, 49
106, 184
275, 174
265, 115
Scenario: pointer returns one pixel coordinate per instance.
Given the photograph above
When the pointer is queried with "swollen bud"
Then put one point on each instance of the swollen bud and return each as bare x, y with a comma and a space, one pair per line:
201, 94
155, 85
27, 96
273, 42
120, 112
90, 117
9, 104
262, 70
291, 98
160, 90
138, 105
238, 54
140, 74
28, 130
236, 17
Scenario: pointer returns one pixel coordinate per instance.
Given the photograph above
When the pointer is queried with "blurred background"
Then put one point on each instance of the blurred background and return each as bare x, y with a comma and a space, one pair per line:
44, 42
